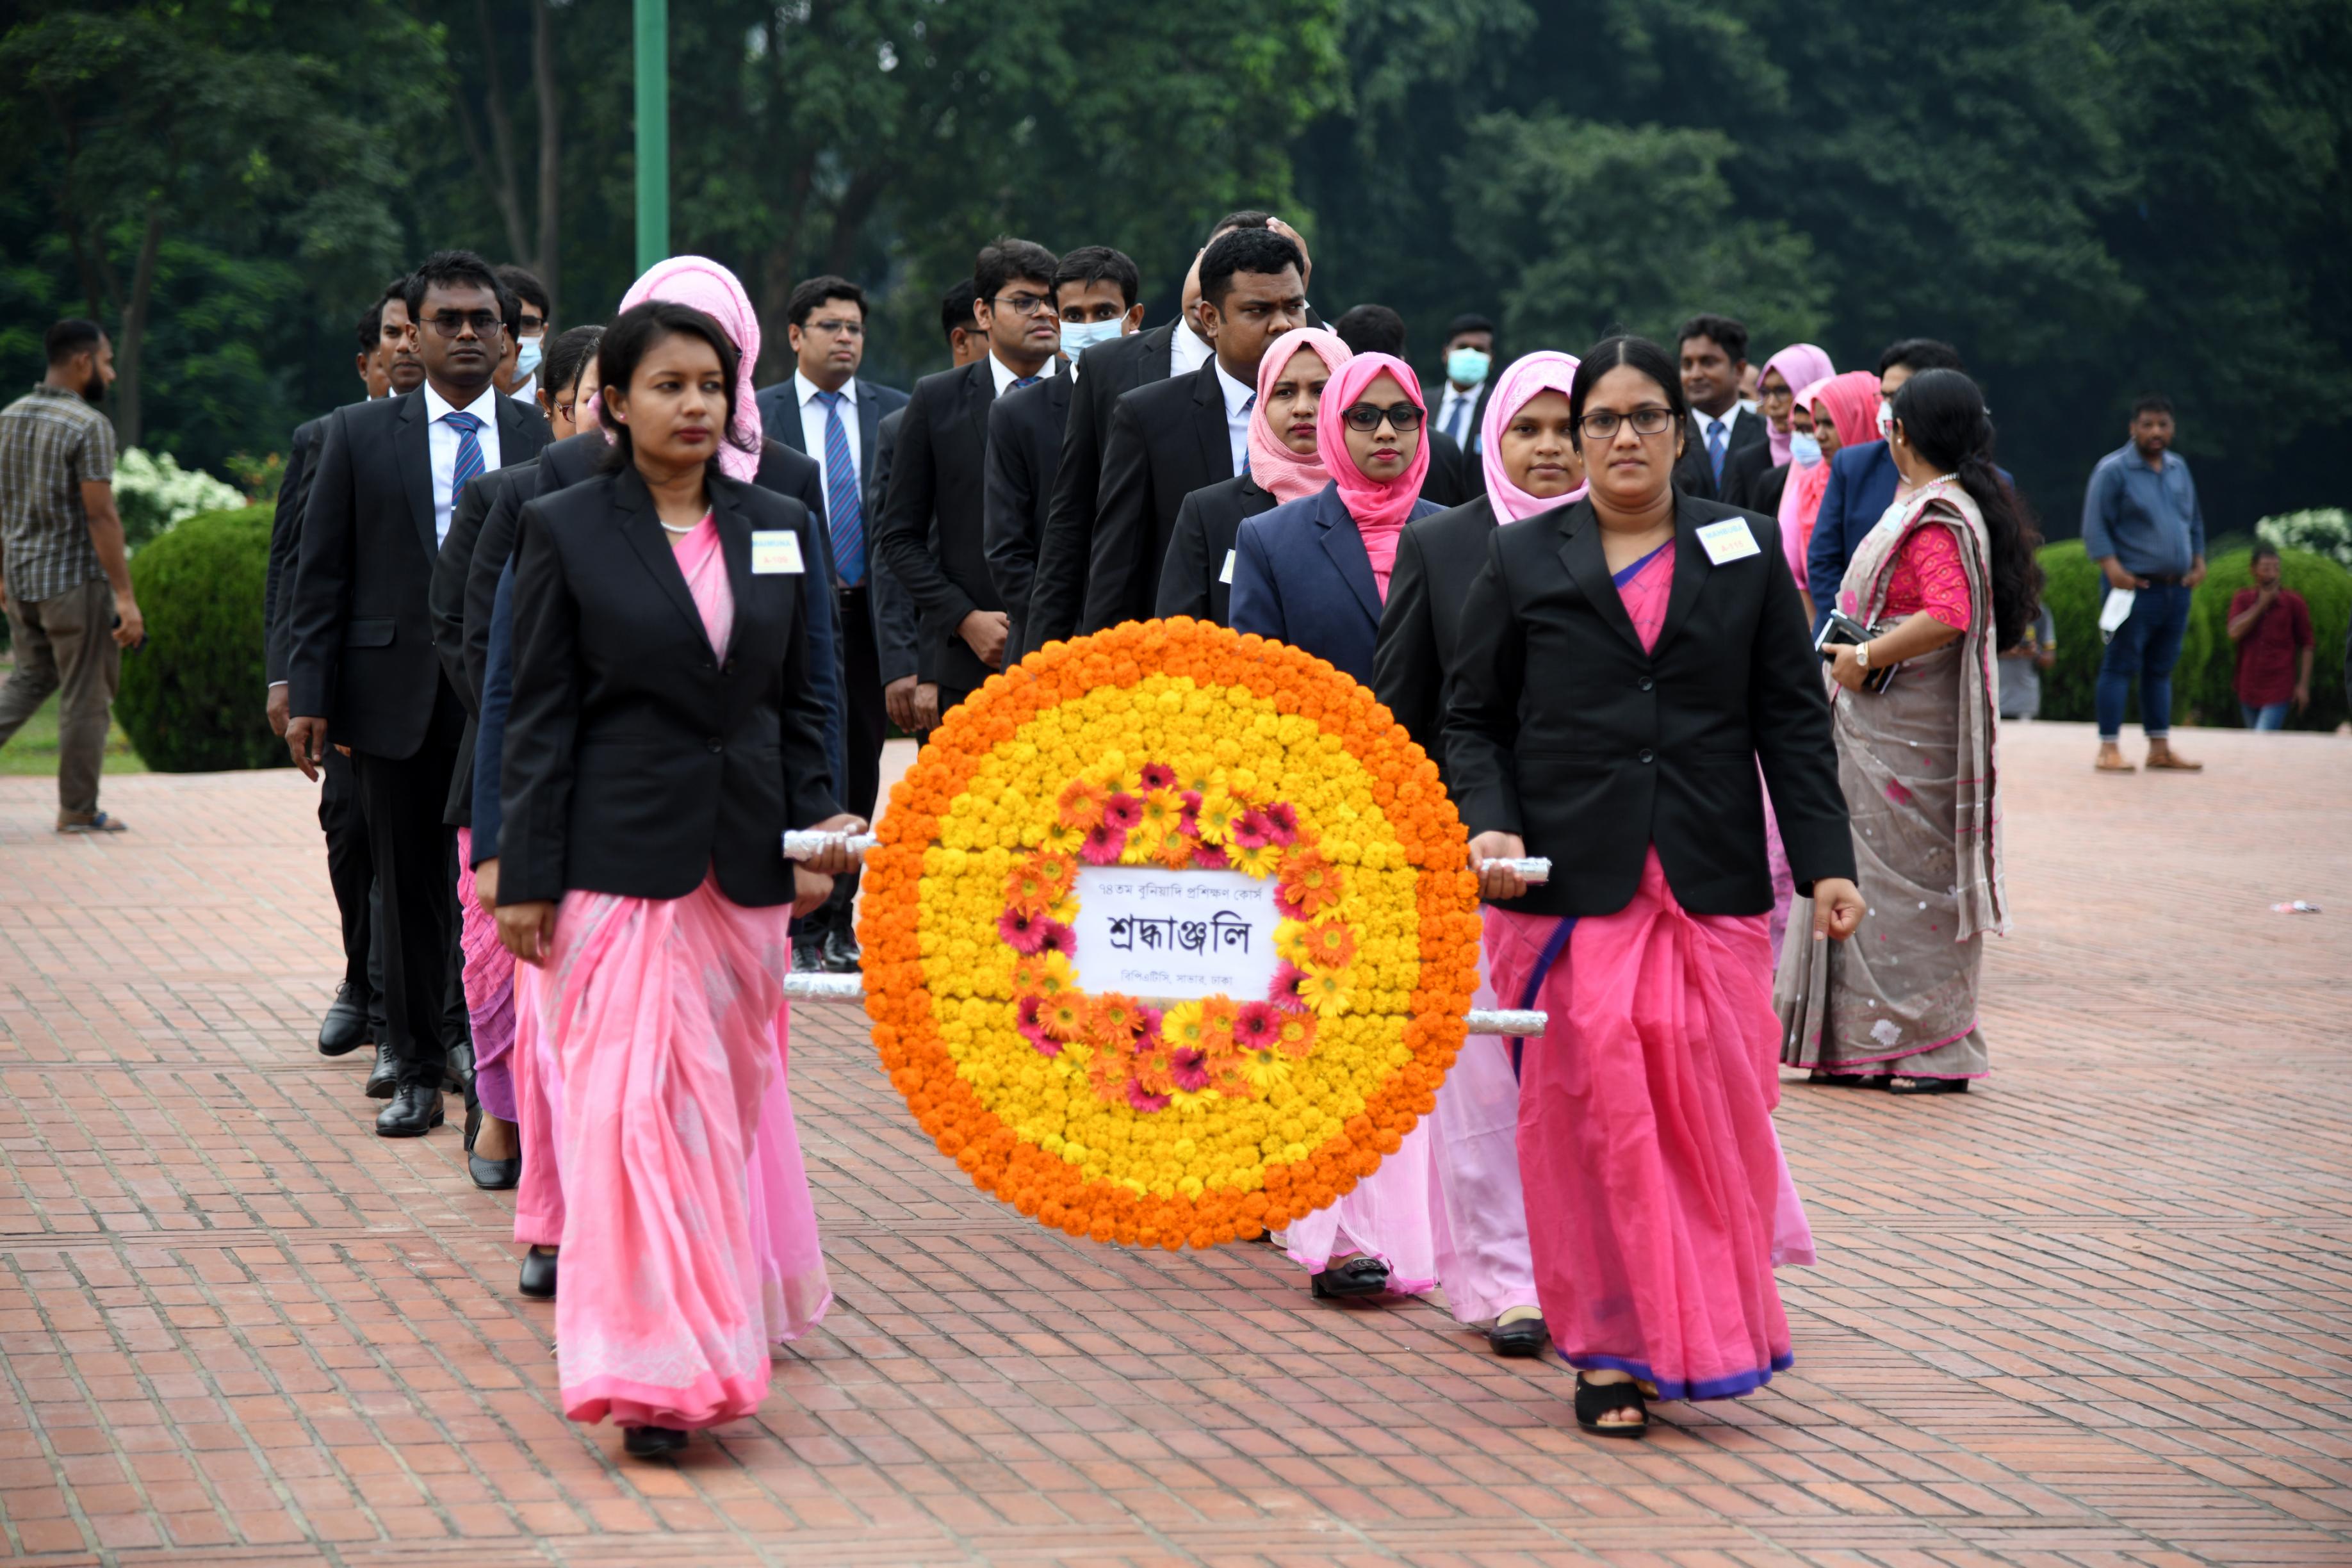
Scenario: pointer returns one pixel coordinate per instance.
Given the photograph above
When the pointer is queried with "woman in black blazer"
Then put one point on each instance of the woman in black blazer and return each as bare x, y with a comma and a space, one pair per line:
663, 734
1625, 663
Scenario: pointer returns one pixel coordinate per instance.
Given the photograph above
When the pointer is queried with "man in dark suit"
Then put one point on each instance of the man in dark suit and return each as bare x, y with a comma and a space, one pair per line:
1714, 350
932, 532
363, 673
1457, 399
1453, 478
387, 364
831, 413
1185, 434
1862, 478
1106, 372
1097, 291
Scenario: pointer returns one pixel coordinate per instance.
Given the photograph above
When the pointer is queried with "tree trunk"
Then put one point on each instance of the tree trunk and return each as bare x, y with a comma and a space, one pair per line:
545, 89
128, 426
494, 104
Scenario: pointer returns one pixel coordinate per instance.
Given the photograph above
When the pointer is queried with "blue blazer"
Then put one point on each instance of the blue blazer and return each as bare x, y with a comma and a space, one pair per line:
1301, 577
1861, 488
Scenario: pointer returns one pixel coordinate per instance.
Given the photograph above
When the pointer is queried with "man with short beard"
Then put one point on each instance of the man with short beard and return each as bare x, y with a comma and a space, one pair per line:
64, 572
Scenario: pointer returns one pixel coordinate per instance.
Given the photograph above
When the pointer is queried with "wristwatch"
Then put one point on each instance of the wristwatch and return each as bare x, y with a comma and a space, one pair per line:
1862, 654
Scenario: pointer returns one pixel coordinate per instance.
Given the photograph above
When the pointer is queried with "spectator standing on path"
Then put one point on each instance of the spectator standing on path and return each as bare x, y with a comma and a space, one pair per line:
2142, 524
65, 575
2272, 627
2022, 667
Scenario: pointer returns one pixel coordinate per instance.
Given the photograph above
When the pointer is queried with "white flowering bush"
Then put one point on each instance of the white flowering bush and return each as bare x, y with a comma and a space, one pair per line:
2325, 530
152, 492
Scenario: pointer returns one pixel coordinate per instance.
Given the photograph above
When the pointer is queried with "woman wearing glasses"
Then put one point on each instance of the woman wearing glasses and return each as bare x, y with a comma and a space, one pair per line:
1625, 664
1313, 573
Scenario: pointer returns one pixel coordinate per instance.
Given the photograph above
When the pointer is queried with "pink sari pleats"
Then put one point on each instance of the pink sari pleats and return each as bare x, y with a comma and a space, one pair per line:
1477, 1212
489, 980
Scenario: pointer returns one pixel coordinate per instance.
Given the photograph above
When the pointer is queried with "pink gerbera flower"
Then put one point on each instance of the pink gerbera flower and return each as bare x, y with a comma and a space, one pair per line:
1210, 857
1143, 1098
1032, 1027
1253, 829
1284, 819
1104, 845
1025, 930
1147, 1020
1191, 1069
1122, 812
1159, 775
1056, 937
1256, 1025
1191, 820
1288, 991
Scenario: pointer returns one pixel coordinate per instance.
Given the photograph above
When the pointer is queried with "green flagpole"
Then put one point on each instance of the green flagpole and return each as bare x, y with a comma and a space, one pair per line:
653, 132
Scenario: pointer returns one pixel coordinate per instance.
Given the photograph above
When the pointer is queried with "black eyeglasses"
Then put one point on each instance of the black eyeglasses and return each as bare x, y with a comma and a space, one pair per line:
450, 323
839, 329
1401, 416
1022, 304
1601, 424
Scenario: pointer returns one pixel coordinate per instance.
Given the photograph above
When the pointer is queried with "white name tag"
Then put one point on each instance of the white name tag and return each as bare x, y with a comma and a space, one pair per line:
774, 551
1226, 576
1730, 540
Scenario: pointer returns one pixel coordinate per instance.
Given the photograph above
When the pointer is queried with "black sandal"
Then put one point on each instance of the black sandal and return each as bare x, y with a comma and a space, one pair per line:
1927, 1086
1849, 1080
652, 1442
1356, 1277
1594, 1400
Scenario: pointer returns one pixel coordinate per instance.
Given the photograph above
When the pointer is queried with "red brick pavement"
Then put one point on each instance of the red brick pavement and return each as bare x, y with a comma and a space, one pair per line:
2094, 1314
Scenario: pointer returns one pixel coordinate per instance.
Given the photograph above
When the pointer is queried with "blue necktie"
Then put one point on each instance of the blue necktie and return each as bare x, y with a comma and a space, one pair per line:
842, 505
1464, 406
1715, 448
469, 450
1024, 381
1247, 404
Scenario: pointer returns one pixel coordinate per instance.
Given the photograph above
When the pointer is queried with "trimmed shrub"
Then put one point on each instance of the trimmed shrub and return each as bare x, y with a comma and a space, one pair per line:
2204, 681
192, 699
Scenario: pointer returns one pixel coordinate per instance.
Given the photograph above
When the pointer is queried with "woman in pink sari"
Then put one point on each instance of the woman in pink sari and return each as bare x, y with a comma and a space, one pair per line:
1838, 411
1626, 663
662, 736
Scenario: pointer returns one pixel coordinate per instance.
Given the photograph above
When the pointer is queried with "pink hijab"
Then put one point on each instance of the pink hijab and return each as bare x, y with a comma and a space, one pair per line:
1546, 370
1274, 466
1380, 510
1850, 403
1801, 366
709, 287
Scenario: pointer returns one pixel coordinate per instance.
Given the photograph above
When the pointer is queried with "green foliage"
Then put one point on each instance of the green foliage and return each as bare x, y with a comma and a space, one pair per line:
2204, 681
190, 698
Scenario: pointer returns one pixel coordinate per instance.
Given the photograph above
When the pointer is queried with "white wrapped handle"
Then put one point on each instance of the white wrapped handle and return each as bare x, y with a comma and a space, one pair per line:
806, 844
818, 986
1535, 870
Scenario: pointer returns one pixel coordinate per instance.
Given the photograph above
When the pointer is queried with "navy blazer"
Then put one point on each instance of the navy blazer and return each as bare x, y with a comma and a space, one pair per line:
1861, 488
1301, 577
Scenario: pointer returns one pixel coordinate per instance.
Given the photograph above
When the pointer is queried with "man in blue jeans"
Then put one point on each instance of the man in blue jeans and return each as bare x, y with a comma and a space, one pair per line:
2142, 524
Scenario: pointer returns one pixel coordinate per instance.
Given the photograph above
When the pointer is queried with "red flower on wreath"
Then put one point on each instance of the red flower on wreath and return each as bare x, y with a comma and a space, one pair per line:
1104, 845
1123, 813
1159, 775
1023, 927
1257, 1025
1288, 990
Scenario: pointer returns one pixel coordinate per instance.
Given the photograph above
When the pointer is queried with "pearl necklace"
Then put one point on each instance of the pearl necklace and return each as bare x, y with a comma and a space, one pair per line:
680, 532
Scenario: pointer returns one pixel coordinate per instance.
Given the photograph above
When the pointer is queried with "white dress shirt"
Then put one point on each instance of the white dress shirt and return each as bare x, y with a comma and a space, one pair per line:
1707, 425
441, 446
1188, 351
812, 417
1006, 375
1237, 414
1458, 404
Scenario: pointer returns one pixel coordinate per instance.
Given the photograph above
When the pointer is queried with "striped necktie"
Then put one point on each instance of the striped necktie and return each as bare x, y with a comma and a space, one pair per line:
469, 450
1247, 404
1715, 448
1024, 381
843, 507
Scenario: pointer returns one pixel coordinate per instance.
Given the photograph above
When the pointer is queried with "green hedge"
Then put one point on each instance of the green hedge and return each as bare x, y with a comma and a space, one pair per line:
192, 699
2204, 681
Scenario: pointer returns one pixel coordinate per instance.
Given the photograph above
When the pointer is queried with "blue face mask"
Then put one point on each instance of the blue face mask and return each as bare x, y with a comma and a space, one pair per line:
1467, 367
1078, 337
527, 352
1804, 448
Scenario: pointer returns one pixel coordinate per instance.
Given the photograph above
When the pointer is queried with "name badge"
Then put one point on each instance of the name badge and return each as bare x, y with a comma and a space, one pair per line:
1730, 540
775, 550
1226, 576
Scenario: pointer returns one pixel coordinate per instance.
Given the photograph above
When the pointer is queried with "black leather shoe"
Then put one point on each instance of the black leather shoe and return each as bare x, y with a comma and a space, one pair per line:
385, 1076
457, 1070
538, 1277
808, 954
842, 953
652, 1442
1356, 1277
1525, 1337
494, 1175
414, 1110
344, 1029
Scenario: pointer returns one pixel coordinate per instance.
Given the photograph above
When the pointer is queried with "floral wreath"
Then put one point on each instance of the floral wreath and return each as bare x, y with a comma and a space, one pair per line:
1184, 746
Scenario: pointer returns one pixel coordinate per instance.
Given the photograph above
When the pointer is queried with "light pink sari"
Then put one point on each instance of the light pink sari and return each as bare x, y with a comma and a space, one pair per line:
489, 991
656, 1074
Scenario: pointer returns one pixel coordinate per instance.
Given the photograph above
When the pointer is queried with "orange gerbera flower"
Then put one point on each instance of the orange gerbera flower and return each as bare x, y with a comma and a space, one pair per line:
1308, 885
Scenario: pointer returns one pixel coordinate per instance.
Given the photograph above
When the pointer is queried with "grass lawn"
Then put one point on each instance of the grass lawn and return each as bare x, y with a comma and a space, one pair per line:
34, 749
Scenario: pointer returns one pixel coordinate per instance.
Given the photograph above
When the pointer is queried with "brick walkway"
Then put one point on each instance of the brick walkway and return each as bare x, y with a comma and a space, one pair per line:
239, 1328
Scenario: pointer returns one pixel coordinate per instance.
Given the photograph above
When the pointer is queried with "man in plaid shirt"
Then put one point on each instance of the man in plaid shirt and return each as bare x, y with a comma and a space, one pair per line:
62, 566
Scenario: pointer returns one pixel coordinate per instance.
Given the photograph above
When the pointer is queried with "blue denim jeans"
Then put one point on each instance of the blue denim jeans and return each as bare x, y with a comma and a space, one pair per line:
2145, 648
2269, 716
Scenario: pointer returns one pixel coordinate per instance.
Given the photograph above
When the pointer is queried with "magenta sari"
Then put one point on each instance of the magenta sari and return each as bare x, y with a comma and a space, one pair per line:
656, 1075
489, 991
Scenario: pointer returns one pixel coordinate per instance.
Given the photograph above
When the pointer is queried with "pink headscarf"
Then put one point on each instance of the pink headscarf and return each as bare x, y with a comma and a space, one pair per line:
709, 287
1275, 468
1546, 370
1380, 510
1850, 403
1801, 366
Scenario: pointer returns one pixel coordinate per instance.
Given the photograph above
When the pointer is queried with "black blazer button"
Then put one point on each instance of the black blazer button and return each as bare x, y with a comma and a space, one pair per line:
1647, 755
717, 745
1647, 683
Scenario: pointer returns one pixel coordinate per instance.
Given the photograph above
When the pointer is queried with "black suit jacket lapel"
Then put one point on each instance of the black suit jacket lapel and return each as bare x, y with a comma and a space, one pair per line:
640, 525
735, 545
979, 392
520, 432
1691, 567
1208, 424
1345, 545
1580, 552
1158, 361
869, 427
412, 454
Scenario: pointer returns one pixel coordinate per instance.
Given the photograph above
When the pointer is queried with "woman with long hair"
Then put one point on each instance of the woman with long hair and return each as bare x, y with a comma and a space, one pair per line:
662, 736
1944, 580
1626, 663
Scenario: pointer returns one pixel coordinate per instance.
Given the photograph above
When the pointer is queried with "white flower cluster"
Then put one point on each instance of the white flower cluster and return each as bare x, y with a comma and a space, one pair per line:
152, 492
2325, 531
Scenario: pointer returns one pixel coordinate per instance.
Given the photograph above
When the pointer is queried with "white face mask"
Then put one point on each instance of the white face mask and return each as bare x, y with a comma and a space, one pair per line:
1885, 419
1804, 448
527, 353
1078, 337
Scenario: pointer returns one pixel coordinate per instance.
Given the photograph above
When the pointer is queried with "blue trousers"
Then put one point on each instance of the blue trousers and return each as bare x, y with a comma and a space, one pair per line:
2143, 649
2269, 716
